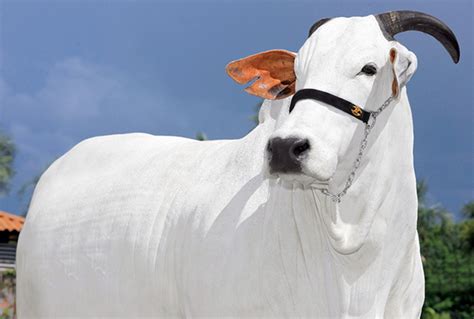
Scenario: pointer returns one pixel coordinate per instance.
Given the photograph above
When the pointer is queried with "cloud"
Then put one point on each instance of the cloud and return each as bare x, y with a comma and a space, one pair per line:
77, 100
76, 90
75, 94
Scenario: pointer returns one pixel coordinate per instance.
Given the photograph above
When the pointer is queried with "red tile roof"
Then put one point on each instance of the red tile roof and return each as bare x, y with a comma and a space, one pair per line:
10, 222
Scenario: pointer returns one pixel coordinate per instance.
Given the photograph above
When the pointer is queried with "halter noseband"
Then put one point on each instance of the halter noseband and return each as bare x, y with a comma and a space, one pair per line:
339, 103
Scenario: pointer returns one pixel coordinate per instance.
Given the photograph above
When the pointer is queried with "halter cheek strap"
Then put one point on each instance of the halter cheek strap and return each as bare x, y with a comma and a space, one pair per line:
337, 102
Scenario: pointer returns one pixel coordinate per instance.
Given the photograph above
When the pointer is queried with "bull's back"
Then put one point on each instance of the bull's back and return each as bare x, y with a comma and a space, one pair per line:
98, 225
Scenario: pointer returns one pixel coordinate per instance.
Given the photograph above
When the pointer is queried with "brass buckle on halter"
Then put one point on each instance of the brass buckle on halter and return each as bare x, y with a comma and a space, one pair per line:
356, 111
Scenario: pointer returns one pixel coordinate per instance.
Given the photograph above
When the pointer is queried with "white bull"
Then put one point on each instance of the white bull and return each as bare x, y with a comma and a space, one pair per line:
137, 225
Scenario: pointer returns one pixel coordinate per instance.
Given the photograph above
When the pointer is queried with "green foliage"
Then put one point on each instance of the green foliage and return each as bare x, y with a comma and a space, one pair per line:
8, 274
468, 210
430, 313
7, 155
26, 190
7, 293
448, 261
254, 117
467, 233
201, 136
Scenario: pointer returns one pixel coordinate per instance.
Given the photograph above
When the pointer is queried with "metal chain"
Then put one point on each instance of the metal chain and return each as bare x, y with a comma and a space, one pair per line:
363, 145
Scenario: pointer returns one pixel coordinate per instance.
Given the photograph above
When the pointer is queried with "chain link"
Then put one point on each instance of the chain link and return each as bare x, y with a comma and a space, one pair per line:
363, 145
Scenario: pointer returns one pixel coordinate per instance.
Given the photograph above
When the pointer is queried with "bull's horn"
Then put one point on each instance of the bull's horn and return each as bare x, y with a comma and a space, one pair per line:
395, 22
316, 25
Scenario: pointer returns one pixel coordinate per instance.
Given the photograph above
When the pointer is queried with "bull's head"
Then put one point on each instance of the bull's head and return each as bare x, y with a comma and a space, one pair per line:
356, 59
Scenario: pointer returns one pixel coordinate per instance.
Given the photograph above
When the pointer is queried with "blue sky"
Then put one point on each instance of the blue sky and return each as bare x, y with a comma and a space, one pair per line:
71, 70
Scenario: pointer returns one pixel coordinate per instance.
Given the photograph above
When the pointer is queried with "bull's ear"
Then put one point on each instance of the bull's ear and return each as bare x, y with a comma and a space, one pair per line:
272, 71
404, 65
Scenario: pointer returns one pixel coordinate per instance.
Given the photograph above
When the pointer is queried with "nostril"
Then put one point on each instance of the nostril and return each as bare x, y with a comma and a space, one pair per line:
285, 155
269, 146
300, 147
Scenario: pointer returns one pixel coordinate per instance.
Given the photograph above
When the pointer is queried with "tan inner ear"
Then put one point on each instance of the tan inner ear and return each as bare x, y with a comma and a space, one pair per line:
273, 72
395, 86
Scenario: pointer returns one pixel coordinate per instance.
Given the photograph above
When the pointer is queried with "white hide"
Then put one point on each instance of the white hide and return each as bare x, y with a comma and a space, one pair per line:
130, 226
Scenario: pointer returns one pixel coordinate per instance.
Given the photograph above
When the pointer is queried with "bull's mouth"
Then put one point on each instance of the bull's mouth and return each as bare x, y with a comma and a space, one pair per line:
303, 179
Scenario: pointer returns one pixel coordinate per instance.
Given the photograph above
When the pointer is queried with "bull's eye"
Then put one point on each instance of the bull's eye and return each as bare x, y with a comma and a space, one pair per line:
369, 69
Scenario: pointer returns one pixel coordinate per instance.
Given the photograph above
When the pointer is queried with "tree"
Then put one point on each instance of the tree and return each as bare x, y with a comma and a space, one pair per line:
201, 136
254, 117
7, 155
448, 261
467, 226
468, 210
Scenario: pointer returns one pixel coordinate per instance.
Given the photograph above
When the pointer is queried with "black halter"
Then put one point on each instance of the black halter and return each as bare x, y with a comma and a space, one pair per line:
337, 102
